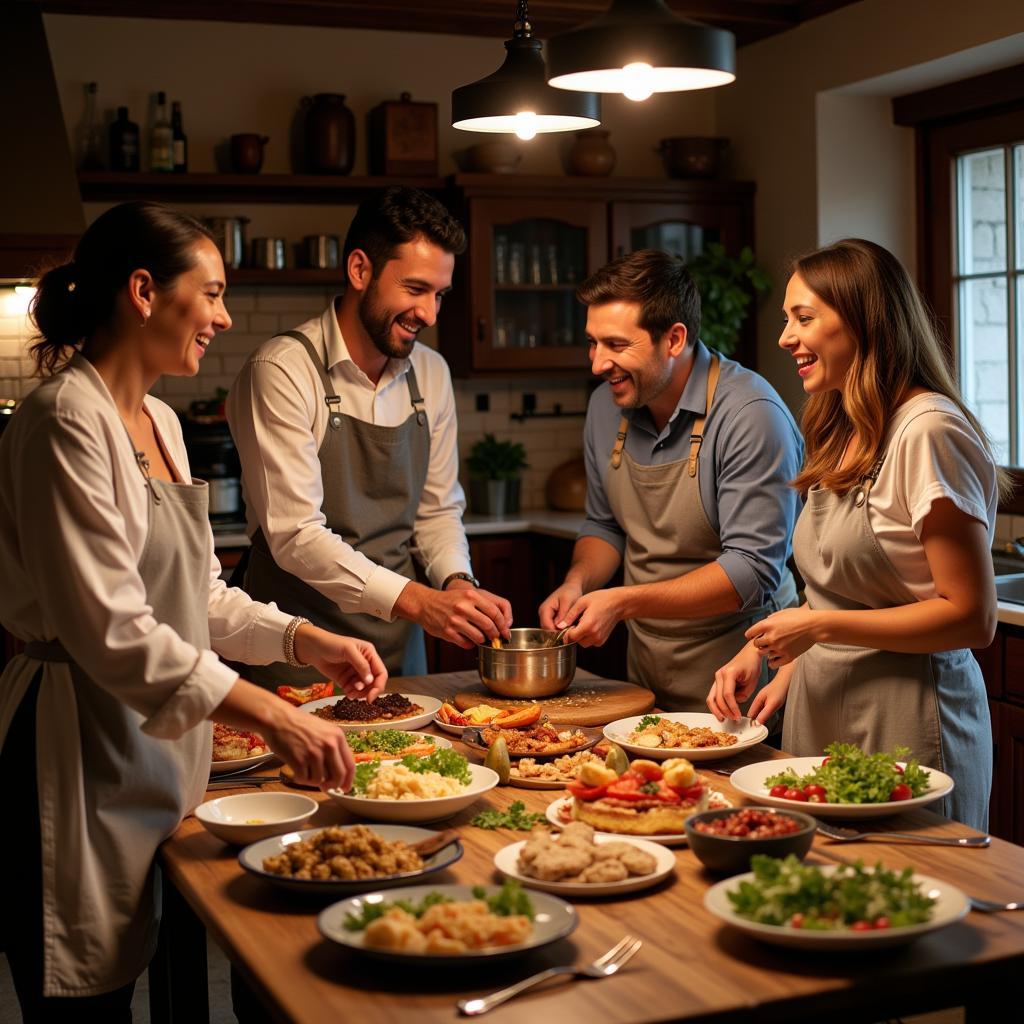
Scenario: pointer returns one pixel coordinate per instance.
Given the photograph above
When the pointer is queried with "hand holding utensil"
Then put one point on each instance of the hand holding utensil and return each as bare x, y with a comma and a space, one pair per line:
603, 967
849, 835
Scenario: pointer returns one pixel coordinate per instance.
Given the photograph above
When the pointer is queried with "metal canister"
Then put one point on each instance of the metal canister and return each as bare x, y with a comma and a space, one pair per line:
229, 234
322, 251
269, 253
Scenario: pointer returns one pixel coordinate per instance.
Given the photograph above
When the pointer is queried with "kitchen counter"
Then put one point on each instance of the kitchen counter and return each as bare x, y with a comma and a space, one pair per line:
1010, 613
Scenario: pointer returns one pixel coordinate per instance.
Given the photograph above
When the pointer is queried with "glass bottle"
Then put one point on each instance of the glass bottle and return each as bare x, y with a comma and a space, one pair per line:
90, 152
179, 139
124, 143
161, 140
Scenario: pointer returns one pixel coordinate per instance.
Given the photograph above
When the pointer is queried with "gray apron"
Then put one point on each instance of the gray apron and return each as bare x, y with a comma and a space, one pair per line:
137, 788
373, 477
668, 535
935, 704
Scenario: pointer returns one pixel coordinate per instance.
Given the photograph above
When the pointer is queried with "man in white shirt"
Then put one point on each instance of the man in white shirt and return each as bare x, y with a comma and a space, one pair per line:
347, 437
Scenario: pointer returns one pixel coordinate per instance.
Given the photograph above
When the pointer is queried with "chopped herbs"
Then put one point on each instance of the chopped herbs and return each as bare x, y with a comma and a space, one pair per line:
444, 762
646, 721
516, 817
390, 741
365, 773
508, 901
849, 776
787, 893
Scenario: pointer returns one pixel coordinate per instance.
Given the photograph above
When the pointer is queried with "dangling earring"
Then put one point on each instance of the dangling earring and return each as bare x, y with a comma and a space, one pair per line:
145, 318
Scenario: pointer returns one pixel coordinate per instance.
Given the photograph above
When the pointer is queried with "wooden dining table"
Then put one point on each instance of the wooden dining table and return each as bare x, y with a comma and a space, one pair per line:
692, 966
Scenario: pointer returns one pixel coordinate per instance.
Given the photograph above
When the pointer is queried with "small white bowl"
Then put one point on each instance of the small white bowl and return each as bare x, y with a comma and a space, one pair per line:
246, 817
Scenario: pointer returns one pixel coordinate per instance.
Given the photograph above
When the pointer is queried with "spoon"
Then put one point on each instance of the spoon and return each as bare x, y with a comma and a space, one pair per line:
559, 635
428, 847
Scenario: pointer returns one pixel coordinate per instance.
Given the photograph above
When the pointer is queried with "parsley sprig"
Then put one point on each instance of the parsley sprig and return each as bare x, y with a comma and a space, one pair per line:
516, 817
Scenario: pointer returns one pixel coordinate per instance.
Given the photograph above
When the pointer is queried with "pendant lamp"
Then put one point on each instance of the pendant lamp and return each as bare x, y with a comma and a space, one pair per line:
638, 47
517, 99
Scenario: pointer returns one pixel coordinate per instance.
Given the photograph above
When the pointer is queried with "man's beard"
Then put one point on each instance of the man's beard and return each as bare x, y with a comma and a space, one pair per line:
377, 321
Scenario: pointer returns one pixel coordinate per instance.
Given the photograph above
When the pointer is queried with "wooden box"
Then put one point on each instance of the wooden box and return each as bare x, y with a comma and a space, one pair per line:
403, 137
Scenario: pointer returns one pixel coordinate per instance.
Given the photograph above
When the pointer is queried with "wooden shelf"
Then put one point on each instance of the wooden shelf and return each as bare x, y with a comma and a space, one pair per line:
101, 186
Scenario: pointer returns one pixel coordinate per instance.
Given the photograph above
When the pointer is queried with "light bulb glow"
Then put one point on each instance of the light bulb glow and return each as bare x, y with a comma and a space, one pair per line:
526, 125
637, 81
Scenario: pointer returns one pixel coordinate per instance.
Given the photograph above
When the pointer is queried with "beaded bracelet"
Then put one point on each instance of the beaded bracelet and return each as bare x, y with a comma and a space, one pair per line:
288, 641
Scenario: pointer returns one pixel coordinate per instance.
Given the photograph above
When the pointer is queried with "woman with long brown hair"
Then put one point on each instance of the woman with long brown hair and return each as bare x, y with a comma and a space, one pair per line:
893, 542
110, 579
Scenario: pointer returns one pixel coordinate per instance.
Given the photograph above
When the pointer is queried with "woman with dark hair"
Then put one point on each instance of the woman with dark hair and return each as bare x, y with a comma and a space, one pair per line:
893, 543
111, 579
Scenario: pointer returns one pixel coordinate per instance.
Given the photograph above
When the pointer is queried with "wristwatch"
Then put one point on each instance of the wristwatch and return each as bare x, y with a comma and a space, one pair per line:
460, 576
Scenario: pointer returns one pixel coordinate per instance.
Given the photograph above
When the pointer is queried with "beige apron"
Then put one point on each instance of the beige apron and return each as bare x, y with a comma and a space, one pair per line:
668, 535
935, 704
373, 478
102, 820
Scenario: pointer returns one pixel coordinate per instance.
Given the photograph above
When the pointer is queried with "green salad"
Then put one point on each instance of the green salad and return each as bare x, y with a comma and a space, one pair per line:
790, 894
390, 741
849, 776
444, 762
508, 901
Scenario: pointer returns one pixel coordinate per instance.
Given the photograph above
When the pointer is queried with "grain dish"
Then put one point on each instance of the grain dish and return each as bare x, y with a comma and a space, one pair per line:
344, 855
701, 737
655, 731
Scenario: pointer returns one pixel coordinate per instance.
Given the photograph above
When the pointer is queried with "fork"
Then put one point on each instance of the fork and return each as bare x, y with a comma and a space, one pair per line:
992, 906
603, 967
849, 835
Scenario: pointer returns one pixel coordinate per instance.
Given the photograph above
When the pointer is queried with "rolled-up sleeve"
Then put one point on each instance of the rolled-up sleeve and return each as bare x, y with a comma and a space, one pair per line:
74, 544
600, 521
757, 452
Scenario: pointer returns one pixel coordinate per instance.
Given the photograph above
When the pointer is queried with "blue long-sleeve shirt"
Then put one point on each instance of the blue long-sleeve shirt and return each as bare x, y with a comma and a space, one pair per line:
752, 449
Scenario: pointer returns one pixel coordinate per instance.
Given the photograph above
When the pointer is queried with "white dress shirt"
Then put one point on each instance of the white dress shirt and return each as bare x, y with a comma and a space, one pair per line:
74, 519
278, 418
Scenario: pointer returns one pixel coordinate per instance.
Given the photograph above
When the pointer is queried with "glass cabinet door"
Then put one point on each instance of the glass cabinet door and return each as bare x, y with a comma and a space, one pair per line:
681, 229
527, 259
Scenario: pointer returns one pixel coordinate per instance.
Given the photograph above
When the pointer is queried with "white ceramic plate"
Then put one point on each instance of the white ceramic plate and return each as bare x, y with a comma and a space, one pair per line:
455, 730
247, 817
749, 780
252, 857
515, 780
553, 920
410, 811
241, 764
747, 734
951, 905
553, 814
506, 861
440, 743
425, 717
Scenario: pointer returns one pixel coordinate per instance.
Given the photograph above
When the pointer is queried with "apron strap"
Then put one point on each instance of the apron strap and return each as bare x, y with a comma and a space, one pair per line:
697, 435
331, 397
47, 650
414, 395
868, 482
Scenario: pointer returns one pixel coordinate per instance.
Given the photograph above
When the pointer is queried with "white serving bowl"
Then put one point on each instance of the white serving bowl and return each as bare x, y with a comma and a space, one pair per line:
247, 817
412, 811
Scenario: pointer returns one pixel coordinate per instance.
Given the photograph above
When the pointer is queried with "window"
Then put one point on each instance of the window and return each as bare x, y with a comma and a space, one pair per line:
988, 292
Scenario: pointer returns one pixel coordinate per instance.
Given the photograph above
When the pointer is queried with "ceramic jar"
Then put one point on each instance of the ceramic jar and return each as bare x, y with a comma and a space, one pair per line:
247, 152
566, 487
330, 134
592, 154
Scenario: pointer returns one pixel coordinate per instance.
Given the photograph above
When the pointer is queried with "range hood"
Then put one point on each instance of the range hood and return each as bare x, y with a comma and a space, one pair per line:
41, 214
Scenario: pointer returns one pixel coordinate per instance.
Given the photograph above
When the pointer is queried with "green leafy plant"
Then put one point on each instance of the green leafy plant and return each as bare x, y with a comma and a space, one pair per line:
491, 459
726, 285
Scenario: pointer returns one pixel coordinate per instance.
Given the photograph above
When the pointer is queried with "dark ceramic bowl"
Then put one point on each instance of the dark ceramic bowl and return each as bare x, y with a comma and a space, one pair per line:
730, 855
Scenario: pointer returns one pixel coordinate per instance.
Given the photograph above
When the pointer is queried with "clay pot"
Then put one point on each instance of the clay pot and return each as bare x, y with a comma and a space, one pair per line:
566, 487
688, 156
247, 152
497, 156
592, 154
330, 134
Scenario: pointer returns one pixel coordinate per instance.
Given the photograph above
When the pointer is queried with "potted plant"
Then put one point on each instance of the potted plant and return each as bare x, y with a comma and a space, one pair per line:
726, 285
494, 468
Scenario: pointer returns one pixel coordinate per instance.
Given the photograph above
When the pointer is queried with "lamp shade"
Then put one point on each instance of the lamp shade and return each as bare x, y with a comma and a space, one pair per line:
517, 99
638, 47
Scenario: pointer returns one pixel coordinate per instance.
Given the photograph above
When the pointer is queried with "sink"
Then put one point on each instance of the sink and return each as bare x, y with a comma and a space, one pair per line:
1011, 588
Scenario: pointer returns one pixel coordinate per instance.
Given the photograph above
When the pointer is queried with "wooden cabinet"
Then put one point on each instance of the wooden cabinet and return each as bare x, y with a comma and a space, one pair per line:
534, 239
1002, 665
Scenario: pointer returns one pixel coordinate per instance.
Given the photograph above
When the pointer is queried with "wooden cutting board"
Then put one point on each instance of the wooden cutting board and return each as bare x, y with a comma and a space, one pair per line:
590, 700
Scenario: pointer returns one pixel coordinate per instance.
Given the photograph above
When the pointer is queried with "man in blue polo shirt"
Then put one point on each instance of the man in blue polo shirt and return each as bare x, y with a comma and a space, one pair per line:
689, 457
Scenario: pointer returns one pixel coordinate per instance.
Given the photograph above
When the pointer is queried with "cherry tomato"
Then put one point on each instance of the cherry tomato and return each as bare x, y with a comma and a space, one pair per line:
779, 790
882, 922
898, 768
586, 793
795, 794
901, 792
796, 921
861, 926
813, 791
